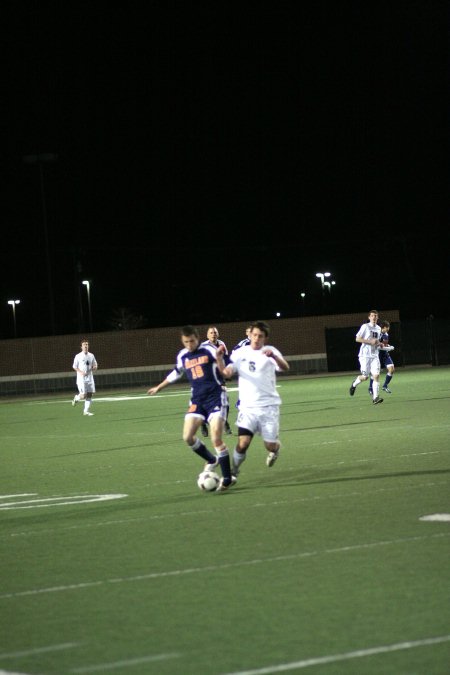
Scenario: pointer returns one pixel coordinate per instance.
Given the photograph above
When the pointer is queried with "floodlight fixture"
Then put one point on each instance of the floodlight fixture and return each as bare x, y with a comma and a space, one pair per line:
13, 304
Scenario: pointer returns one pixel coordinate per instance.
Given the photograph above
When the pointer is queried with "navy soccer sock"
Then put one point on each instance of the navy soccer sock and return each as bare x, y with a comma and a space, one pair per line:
225, 464
200, 449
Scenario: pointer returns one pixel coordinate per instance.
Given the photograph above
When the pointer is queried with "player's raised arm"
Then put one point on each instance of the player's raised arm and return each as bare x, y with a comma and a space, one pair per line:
224, 370
279, 360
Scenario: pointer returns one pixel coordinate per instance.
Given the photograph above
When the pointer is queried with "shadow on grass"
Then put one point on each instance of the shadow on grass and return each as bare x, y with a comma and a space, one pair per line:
118, 448
345, 424
344, 479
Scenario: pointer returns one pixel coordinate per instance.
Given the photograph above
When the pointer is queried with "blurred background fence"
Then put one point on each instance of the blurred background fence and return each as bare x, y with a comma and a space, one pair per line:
141, 358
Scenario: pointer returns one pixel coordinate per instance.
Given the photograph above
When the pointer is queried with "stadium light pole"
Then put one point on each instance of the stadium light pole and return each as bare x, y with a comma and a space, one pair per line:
41, 159
88, 290
321, 276
13, 304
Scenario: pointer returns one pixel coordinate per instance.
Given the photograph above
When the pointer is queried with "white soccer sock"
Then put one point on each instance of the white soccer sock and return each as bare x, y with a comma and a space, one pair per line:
238, 458
221, 450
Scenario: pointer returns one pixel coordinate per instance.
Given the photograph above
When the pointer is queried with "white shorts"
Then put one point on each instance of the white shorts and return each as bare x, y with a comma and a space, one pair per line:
86, 386
369, 365
264, 421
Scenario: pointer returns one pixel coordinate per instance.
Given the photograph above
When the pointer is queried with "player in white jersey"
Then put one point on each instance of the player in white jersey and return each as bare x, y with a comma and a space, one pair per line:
84, 365
214, 341
259, 409
368, 337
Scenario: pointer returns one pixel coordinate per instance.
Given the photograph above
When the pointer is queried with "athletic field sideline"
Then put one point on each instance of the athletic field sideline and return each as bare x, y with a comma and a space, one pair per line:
333, 561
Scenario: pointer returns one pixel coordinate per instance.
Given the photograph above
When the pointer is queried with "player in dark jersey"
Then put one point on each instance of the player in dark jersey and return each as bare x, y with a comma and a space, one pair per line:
208, 401
384, 355
245, 341
214, 341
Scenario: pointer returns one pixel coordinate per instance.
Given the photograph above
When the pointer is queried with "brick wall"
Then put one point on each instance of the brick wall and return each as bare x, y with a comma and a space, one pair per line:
155, 346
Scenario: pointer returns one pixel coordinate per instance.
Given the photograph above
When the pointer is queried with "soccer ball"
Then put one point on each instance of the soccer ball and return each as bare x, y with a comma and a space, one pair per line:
208, 481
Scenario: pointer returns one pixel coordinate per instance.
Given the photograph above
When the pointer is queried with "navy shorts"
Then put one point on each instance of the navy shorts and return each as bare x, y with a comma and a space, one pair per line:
385, 360
215, 403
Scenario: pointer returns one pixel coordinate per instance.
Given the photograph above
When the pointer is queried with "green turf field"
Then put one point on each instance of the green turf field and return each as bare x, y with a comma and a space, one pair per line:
113, 561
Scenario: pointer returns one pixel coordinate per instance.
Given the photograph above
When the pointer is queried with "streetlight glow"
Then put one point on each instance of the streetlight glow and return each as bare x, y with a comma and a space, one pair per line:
325, 285
13, 304
303, 301
88, 290
322, 275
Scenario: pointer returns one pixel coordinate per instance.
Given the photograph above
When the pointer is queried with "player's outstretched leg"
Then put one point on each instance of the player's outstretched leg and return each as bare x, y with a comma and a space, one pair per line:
227, 479
273, 456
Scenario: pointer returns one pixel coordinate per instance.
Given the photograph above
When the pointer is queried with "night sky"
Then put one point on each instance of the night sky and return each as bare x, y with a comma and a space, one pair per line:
209, 158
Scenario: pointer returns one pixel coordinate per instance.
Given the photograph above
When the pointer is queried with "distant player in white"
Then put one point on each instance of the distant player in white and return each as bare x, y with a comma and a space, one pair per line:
369, 338
84, 365
259, 408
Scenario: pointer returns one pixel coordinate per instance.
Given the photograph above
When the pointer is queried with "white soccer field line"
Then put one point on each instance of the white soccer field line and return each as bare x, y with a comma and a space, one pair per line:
61, 500
39, 650
334, 658
125, 663
112, 399
224, 566
267, 670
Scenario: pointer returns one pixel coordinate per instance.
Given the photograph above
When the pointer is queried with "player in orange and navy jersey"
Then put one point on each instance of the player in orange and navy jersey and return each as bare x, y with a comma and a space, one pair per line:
208, 401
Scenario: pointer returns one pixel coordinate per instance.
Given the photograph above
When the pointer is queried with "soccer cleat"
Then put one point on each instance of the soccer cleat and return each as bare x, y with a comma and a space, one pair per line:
88, 414
371, 392
352, 390
228, 429
272, 458
387, 390
74, 400
377, 400
223, 488
211, 467
204, 429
